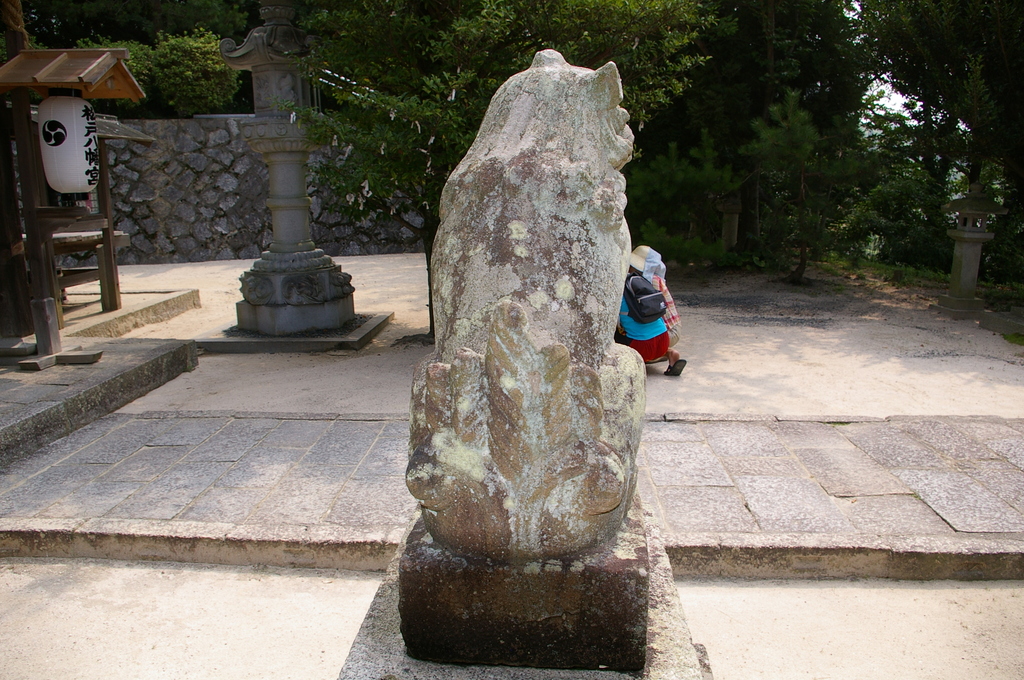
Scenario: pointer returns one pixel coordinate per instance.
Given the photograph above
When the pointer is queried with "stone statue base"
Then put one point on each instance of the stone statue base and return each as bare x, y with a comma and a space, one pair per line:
379, 651
584, 612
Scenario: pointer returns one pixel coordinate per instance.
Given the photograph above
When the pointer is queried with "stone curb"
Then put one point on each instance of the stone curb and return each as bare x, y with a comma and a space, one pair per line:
1003, 323
318, 547
44, 422
170, 304
290, 415
770, 556
828, 419
802, 556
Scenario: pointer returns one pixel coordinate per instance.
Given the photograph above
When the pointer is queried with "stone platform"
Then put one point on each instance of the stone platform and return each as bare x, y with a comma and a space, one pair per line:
228, 340
379, 651
37, 408
1004, 322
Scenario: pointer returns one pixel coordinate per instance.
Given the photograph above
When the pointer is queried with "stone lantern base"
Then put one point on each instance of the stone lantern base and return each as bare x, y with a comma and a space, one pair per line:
288, 319
959, 308
286, 302
963, 279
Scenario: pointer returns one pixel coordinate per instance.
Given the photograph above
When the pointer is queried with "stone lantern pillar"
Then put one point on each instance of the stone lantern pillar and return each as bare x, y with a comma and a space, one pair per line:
972, 213
294, 286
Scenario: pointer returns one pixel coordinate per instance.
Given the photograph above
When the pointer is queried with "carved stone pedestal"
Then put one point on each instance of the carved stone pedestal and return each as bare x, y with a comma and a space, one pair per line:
584, 612
291, 293
280, 320
379, 651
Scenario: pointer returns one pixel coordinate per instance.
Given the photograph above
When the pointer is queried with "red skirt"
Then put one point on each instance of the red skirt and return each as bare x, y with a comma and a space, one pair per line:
652, 349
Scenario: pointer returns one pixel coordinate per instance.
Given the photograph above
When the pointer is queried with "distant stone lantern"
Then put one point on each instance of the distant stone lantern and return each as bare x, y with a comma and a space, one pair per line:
730, 207
972, 213
294, 286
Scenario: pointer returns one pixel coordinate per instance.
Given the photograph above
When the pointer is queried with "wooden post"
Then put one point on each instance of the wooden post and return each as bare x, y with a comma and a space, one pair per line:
15, 311
106, 255
44, 308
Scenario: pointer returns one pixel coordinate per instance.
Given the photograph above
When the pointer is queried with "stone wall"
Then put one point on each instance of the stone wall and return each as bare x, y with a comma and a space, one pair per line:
198, 193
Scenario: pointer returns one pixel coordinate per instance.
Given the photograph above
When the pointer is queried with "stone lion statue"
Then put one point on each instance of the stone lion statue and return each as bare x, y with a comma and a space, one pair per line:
526, 420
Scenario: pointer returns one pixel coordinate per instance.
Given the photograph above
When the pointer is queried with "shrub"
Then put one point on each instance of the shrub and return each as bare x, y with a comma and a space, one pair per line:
190, 74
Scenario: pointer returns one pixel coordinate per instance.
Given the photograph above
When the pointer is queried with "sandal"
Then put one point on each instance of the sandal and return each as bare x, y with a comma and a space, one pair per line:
676, 368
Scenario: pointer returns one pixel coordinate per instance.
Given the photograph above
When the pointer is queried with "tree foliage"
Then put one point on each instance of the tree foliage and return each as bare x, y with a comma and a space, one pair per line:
679, 193
960, 63
169, 42
899, 218
191, 75
810, 174
409, 81
64, 23
756, 52
182, 75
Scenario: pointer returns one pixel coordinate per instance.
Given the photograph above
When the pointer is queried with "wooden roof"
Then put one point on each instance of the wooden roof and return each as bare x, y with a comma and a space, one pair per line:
98, 73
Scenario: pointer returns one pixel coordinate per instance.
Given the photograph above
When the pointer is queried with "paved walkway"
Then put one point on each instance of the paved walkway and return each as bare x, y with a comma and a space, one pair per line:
37, 407
906, 497
170, 477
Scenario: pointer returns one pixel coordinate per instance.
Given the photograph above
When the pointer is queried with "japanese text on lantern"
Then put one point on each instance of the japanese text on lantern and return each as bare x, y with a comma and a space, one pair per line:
92, 152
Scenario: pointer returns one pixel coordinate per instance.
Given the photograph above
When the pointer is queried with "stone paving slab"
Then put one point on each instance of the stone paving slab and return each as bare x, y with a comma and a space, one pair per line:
849, 472
891, 446
37, 408
784, 504
735, 497
964, 503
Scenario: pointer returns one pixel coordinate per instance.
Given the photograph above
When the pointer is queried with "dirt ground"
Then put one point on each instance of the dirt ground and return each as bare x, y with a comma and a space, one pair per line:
837, 347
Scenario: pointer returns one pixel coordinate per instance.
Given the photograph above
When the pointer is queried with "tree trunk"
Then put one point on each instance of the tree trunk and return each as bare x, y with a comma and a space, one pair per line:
974, 172
797, 275
15, 311
429, 232
749, 232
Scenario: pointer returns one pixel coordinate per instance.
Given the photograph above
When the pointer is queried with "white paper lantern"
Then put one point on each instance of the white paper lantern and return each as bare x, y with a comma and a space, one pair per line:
69, 145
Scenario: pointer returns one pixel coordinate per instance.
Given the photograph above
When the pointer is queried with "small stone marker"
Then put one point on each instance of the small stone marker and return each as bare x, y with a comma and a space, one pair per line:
79, 356
526, 421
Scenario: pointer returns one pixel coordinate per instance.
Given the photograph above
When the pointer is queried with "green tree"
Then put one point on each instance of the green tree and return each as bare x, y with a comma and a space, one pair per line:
757, 50
679, 194
410, 81
191, 75
63, 23
959, 62
899, 219
807, 173
181, 76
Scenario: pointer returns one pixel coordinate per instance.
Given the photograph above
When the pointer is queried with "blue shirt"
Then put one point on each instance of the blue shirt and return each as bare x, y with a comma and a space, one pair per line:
636, 330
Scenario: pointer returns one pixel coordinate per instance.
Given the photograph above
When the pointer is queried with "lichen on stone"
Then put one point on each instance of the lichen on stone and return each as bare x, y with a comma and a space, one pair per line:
526, 421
